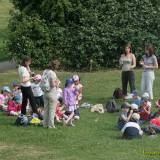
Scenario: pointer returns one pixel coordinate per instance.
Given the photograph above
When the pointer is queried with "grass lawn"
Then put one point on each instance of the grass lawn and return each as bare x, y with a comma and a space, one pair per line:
95, 136
5, 7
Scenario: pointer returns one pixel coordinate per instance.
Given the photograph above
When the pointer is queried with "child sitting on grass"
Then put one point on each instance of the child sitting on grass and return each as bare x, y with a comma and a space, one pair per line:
60, 112
145, 110
14, 107
125, 115
16, 92
4, 97
132, 129
136, 99
70, 99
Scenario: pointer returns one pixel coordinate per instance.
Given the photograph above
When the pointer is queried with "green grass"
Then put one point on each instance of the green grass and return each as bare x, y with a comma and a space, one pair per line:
95, 136
5, 7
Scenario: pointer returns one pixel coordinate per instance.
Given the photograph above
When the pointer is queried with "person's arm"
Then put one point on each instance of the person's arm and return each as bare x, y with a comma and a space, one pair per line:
129, 116
65, 97
154, 66
133, 61
25, 79
147, 111
121, 60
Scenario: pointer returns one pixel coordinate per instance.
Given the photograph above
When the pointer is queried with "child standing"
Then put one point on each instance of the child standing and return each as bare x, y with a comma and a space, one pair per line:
70, 98
79, 88
37, 91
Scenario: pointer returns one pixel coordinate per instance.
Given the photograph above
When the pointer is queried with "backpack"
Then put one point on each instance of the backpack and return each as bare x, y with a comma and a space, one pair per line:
111, 106
45, 82
22, 120
118, 93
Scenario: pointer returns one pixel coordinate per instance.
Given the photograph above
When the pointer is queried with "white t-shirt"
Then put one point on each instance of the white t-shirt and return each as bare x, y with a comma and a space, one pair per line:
36, 89
51, 75
23, 72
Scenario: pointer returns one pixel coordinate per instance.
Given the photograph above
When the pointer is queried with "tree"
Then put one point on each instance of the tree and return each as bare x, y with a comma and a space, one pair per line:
76, 31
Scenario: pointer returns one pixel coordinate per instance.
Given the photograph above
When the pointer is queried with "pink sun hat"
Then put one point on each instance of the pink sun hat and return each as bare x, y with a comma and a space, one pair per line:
38, 77
75, 78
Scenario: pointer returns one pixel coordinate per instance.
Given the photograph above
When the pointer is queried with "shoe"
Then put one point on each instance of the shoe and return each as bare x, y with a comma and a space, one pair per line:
76, 117
50, 127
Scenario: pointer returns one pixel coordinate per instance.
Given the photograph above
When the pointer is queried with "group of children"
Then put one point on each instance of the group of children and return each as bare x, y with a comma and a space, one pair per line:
68, 100
135, 114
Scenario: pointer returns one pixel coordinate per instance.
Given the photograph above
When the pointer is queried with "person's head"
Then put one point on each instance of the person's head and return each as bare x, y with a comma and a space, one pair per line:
69, 82
37, 78
6, 91
15, 85
54, 65
127, 49
60, 100
149, 49
26, 61
135, 117
125, 107
145, 96
76, 79
134, 107
135, 94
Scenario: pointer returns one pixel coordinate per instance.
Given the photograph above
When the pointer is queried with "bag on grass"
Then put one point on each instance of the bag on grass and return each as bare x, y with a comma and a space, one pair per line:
118, 93
112, 106
45, 83
22, 120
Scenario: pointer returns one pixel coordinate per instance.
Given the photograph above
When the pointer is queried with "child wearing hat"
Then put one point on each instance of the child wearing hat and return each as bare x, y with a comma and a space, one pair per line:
4, 97
37, 91
136, 99
145, 110
16, 92
125, 115
132, 129
79, 88
70, 99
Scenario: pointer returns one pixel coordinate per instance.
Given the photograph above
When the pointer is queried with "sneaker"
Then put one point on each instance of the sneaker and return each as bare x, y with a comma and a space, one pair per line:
76, 117
50, 127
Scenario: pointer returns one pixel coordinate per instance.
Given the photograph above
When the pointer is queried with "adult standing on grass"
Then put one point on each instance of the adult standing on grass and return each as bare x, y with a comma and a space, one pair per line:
49, 84
128, 62
25, 79
149, 63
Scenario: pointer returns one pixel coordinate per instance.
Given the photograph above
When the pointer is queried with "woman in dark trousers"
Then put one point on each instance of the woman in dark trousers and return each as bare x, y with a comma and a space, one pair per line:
27, 94
128, 62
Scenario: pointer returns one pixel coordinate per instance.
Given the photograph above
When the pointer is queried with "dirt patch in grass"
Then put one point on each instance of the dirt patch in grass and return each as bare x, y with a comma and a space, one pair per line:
16, 152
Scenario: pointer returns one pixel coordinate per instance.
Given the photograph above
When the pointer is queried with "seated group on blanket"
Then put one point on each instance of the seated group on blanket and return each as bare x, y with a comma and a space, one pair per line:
133, 115
67, 109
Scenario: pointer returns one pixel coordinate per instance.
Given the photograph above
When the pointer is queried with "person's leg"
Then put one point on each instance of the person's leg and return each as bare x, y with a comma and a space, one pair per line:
143, 83
131, 77
24, 100
124, 83
32, 100
52, 109
150, 84
46, 111
41, 101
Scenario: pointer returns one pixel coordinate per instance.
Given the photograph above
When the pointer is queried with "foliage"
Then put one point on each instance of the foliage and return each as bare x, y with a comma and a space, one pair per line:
77, 31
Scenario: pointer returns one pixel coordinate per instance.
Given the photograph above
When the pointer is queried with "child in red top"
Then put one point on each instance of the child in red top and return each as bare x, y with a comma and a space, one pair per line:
145, 110
59, 110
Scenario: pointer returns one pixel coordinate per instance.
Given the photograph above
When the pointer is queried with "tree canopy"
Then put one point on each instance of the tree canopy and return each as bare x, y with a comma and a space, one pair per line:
76, 31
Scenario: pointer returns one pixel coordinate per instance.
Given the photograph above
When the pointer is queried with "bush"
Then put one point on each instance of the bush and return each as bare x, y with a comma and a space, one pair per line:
76, 31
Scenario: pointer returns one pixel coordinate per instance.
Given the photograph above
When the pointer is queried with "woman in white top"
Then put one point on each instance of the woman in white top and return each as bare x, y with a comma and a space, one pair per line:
149, 63
27, 94
128, 62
